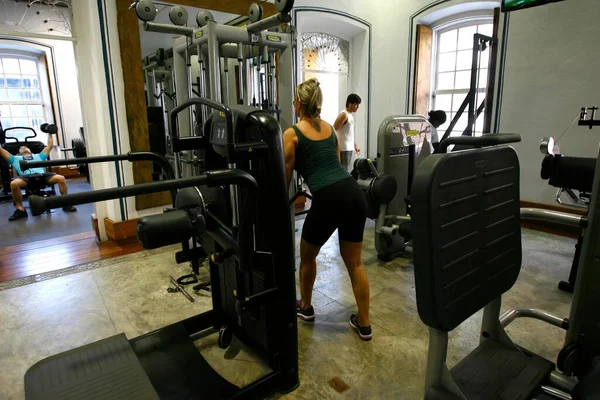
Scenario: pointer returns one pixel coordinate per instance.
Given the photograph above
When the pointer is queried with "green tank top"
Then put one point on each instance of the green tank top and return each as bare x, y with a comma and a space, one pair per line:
317, 161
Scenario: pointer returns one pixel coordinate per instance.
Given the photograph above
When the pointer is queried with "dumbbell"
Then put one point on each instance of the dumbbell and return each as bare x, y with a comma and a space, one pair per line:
49, 128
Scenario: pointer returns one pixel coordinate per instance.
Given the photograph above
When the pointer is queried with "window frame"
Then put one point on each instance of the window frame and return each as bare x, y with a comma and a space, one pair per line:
44, 87
447, 25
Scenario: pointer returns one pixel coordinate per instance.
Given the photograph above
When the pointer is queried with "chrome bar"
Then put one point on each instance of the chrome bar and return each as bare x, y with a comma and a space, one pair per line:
510, 315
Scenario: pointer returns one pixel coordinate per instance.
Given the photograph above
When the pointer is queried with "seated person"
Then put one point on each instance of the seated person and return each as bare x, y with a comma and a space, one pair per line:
22, 181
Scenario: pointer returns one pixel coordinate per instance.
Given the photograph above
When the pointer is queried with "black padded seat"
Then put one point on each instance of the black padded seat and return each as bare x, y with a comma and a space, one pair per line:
467, 253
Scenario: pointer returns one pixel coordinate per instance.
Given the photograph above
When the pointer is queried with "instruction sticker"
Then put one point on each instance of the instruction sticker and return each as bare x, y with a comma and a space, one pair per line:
254, 38
410, 133
199, 34
274, 38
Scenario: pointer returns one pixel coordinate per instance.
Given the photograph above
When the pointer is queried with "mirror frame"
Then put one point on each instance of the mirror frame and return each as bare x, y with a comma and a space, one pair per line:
133, 80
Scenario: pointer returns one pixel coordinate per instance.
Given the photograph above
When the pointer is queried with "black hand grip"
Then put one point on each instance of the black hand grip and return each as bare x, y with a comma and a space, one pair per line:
205, 102
212, 178
491, 139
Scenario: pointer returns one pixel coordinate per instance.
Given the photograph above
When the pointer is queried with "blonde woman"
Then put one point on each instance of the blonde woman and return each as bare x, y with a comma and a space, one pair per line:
312, 148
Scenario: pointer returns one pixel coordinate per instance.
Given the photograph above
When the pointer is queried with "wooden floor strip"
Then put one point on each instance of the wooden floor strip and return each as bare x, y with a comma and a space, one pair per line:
58, 253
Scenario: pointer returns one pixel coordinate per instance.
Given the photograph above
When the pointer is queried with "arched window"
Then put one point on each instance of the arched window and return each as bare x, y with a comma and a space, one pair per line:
452, 62
23, 89
326, 58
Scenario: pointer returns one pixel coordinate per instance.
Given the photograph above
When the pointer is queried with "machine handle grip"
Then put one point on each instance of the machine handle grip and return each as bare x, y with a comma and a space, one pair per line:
492, 139
209, 103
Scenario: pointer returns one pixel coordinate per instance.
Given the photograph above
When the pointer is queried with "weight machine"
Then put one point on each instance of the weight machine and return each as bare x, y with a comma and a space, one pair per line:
202, 58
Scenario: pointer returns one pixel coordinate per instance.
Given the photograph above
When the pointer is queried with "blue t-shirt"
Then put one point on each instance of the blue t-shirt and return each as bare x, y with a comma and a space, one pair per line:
14, 161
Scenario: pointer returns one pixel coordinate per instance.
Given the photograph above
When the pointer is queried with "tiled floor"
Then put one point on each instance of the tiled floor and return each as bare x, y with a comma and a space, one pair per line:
129, 294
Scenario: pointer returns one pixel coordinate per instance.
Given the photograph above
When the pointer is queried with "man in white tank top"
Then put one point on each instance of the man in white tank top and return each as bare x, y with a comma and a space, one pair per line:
344, 126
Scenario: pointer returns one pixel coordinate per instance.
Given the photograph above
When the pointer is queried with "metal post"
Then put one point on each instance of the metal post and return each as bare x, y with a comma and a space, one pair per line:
437, 374
240, 59
226, 78
202, 72
474, 70
213, 62
267, 74
274, 83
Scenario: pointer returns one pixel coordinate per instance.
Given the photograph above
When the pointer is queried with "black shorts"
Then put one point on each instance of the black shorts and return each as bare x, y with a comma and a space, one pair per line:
340, 206
45, 177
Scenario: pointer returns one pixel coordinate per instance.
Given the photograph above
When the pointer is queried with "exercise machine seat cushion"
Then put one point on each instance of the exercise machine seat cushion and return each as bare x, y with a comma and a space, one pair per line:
466, 232
569, 172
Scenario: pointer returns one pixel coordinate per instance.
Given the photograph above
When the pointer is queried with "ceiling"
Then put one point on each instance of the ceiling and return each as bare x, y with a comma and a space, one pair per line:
51, 17
152, 40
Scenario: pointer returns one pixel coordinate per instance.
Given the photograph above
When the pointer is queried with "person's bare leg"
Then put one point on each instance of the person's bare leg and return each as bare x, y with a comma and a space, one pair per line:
352, 256
15, 187
308, 272
62, 183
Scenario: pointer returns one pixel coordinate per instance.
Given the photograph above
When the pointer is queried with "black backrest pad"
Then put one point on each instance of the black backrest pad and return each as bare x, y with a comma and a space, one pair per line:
467, 232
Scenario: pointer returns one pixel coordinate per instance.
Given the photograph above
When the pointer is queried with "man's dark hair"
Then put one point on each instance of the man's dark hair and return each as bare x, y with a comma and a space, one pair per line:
437, 118
353, 99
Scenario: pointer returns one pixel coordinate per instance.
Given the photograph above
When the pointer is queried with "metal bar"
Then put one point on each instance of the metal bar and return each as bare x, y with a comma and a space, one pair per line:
267, 76
213, 62
491, 81
267, 23
165, 28
437, 374
226, 77
474, 73
181, 289
555, 392
510, 315
240, 59
557, 217
459, 113
202, 88
562, 382
397, 218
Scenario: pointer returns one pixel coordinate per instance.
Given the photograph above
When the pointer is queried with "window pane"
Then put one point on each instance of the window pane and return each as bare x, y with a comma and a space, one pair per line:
18, 111
485, 59
465, 37
11, 65
5, 110
457, 101
1, 69
16, 94
36, 122
21, 121
445, 80
479, 123
1, 82
464, 60
27, 82
487, 29
13, 81
28, 67
447, 62
463, 80
448, 41
483, 76
3, 94
35, 111
32, 95
443, 102
36, 83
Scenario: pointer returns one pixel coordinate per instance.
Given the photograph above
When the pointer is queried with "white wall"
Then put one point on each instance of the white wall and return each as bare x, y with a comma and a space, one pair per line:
552, 66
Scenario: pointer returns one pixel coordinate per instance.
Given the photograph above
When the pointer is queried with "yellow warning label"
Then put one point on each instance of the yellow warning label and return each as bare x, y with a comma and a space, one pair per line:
274, 38
199, 34
412, 133
221, 113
